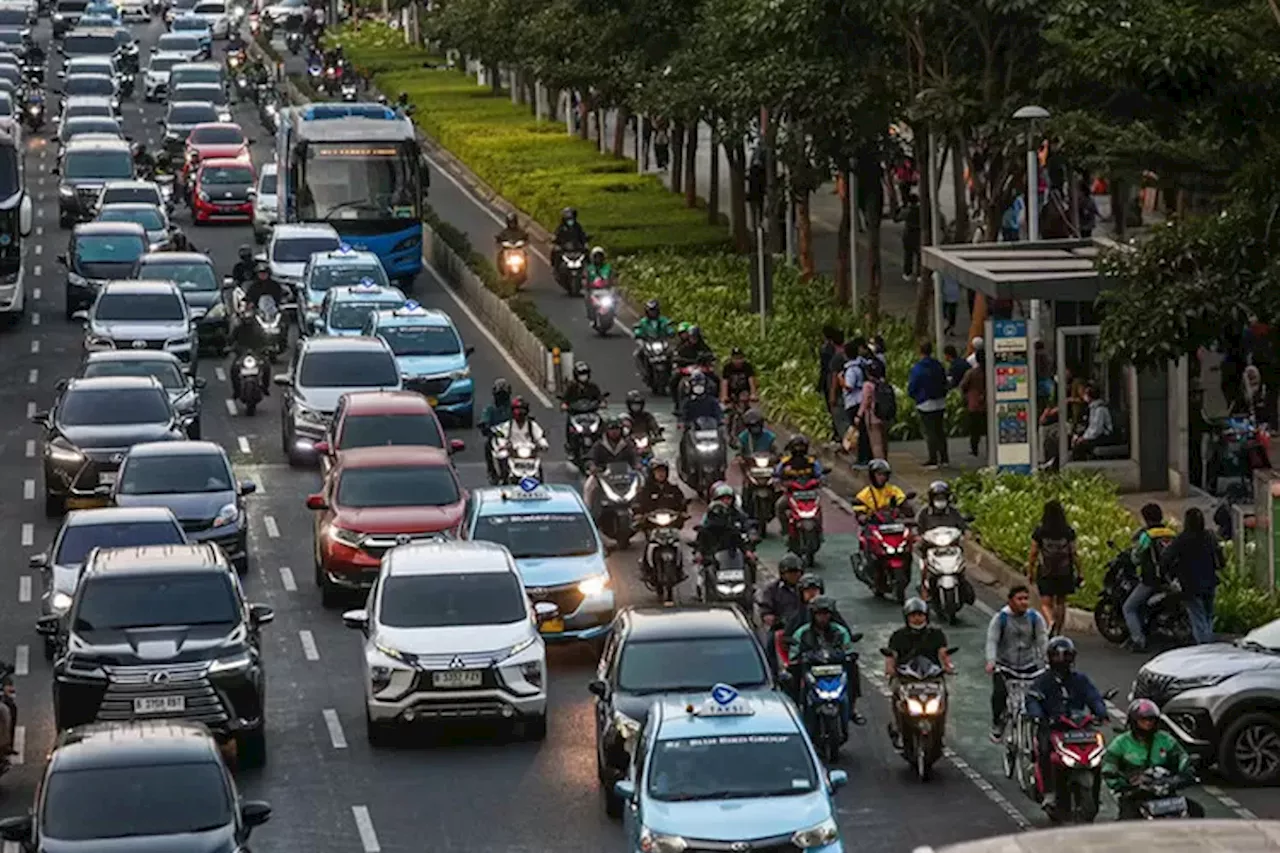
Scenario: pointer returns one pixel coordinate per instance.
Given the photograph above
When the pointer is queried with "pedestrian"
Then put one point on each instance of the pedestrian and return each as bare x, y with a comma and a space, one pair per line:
830, 364
1149, 545
956, 366
1011, 222
661, 145
974, 388
1195, 558
1052, 564
1088, 209
852, 381
950, 304
910, 215
1017, 637
927, 385
875, 419
976, 345
880, 350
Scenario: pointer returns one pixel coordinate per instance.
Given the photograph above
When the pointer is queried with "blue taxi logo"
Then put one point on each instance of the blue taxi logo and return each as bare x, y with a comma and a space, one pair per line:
529, 484
367, 284
344, 248
723, 694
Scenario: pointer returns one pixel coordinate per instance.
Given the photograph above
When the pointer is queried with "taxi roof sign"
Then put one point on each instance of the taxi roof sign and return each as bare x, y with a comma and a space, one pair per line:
724, 701
411, 309
367, 283
529, 489
344, 249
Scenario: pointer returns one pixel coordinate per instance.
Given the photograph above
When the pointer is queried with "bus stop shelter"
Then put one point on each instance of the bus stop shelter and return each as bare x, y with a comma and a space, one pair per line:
1149, 449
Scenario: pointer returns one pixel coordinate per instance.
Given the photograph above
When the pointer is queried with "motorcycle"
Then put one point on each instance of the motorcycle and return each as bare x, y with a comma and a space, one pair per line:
943, 583
515, 460
584, 429
1156, 794
619, 484
235, 61
1164, 616
655, 364
702, 455
249, 390
293, 41
33, 116
127, 84
920, 694
34, 72
759, 494
663, 559
884, 558
602, 308
1233, 451
643, 441
571, 271
727, 577
513, 261
825, 701
349, 91
804, 519
1076, 748
332, 80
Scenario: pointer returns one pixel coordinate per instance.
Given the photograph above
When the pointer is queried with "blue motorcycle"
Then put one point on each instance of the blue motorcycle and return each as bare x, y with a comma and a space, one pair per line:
824, 699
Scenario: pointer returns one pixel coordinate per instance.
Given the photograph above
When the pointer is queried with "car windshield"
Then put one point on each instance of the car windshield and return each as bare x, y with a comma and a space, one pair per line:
211, 9
389, 430
297, 250
156, 600
114, 407
189, 24
421, 340
179, 474
164, 63
13, 17
1267, 636
116, 307
89, 84
348, 370
135, 800
104, 165
267, 186
223, 135
192, 114
194, 277
538, 536
112, 249
233, 175
200, 92
451, 600
72, 7
78, 540
326, 276
346, 316
143, 195
422, 485
165, 372
91, 110
89, 45
90, 65
91, 124
196, 75
693, 664
731, 767
148, 217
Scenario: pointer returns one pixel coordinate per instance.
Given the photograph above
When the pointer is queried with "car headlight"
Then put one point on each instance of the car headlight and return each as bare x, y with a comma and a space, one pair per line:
312, 416
653, 842
204, 196
68, 192
64, 452
531, 671
1195, 682
229, 514
178, 342
343, 535
464, 373
98, 342
77, 280
521, 646
817, 836
60, 602
594, 585
628, 728
232, 664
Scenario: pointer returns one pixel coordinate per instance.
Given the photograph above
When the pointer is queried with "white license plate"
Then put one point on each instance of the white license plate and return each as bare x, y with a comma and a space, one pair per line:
1167, 805
465, 678
160, 705
730, 575
107, 478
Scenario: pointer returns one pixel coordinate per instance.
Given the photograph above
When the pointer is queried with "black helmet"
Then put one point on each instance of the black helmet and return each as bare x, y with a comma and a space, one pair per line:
581, 371
1141, 709
513, 221
141, 150
568, 214
753, 421
798, 445
612, 424
879, 466
811, 581
914, 605
823, 603
698, 385
737, 352
501, 388
695, 331
179, 240
939, 492
246, 252
519, 406
1061, 654
790, 563
635, 402
652, 309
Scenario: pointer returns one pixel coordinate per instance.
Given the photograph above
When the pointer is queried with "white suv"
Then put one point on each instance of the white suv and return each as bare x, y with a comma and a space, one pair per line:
450, 634
264, 205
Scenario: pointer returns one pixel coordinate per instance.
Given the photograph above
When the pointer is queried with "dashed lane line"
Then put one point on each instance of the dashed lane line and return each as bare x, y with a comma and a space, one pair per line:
220, 373
24, 589
339, 740
231, 406
28, 490
33, 376
1230, 802
31, 448
35, 346
31, 409
364, 825
35, 318
22, 660
308, 641
287, 580
243, 443
269, 522
19, 745
28, 534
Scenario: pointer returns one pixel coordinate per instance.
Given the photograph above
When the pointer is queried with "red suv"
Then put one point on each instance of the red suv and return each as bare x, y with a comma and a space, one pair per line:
382, 419
223, 191
373, 499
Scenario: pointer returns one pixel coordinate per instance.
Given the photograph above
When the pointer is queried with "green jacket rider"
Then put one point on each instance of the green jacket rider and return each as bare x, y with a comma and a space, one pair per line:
1142, 747
653, 325
599, 268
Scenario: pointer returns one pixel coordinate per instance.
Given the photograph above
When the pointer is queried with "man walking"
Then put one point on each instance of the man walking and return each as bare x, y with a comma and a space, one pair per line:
927, 385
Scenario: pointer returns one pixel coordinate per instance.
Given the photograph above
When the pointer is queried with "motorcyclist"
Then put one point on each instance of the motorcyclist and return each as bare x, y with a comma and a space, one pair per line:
242, 272
822, 632
659, 492
495, 414
701, 402
938, 510
918, 639
653, 326
642, 420
143, 163
796, 467
811, 587
580, 389
879, 494
724, 527
612, 449
178, 241
755, 436
403, 105
739, 377
569, 235
522, 428
244, 338
781, 601
8, 713
599, 270
511, 232
1141, 748
1059, 692
693, 348
262, 284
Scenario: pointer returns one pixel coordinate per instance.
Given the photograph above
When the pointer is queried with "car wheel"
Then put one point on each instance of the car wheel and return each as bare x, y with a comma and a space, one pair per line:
54, 506
242, 564
535, 728
612, 804
378, 734
330, 595
1249, 752
251, 749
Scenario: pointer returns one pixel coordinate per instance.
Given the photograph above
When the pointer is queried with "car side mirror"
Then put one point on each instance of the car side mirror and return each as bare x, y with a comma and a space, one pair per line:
317, 502
61, 259
254, 813
356, 620
41, 418
322, 447
38, 561
248, 487
200, 382
261, 614
625, 790
82, 316
598, 688
545, 611
282, 379
16, 828
837, 778
457, 445
46, 626
469, 351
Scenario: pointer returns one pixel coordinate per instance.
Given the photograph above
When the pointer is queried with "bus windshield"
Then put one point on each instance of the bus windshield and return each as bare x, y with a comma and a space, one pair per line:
347, 181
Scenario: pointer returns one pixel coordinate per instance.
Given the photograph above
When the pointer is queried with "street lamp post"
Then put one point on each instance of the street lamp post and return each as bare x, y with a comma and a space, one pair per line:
1033, 115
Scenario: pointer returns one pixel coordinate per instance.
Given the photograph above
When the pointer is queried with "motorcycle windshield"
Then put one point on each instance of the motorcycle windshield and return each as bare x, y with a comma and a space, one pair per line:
942, 536
920, 669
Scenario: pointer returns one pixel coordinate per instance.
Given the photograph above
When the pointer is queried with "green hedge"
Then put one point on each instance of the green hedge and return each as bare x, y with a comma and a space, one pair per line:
269, 49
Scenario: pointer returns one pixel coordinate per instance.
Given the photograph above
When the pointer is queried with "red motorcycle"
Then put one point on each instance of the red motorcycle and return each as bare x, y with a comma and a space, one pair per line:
804, 518
1076, 749
884, 559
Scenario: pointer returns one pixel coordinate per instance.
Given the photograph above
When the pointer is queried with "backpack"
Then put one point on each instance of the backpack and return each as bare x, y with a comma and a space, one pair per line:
885, 404
1055, 558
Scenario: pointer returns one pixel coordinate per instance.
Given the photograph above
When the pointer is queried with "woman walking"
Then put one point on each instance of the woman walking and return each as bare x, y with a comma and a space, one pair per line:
877, 430
974, 388
1194, 558
1052, 565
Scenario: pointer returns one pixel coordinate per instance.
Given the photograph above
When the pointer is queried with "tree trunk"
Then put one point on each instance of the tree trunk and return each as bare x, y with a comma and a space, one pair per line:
713, 180
872, 176
677, 156
773, 191
961, 191
691, 165
737, 158
495, 80
620, 119
805, 227
584, 113
844, 280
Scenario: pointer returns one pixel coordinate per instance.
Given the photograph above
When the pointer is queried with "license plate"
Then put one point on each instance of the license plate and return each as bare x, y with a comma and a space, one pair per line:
731, 575
160, 705
431, 401
552, 626
465, 678
1167, 805
1079, 737
107, 478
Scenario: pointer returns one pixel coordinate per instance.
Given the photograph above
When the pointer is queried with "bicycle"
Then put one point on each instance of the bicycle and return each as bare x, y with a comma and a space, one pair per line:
1019, 735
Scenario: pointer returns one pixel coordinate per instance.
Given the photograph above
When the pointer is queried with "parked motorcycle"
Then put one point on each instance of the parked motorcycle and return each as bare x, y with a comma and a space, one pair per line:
1075, 758
1233, 450
943, 583
759, 494
825, 700
571, 273
515, 460
883, 561
703, 455
663, 565
249, 383
654, 359
1164, 616
584, 430
619, 484
602, 309
804, 519
513, 261
1156, 794
920, 694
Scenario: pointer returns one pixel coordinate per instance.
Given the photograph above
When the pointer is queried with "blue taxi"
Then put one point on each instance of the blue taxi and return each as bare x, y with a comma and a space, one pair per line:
728, 771
430, 355
327, 270
345, 309
559, 551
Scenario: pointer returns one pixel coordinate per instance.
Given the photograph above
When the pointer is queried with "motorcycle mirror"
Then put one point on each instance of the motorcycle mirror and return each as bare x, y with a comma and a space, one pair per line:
856, 637
1111, 694
911, 496
457, 445
470, 351
951, 650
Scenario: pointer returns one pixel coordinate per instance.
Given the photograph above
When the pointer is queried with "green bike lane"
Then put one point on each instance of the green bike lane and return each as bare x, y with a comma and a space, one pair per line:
970, 751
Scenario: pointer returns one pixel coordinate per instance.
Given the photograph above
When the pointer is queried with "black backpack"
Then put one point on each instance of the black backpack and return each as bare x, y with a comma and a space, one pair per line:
885, 404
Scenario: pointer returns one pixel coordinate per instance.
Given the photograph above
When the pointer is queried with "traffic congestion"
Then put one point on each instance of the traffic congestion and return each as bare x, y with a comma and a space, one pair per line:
304, 556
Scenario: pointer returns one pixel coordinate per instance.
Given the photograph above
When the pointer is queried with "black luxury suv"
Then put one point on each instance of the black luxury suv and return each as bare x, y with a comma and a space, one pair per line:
163, 632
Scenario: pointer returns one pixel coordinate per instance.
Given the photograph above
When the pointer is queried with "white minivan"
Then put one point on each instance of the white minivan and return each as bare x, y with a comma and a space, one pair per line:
265, 209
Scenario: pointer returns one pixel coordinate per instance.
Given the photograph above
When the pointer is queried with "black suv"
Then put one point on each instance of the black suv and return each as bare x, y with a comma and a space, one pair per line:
163, 632
151, 785
86, 165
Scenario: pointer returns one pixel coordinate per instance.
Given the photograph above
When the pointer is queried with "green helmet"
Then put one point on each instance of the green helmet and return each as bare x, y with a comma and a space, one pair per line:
722, 490
682, 328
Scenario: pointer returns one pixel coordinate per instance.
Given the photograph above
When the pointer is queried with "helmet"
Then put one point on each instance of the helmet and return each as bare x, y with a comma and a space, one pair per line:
635, 402
142, 149
939, 494
568, 214
798, 445
1061, 654
501, 388
722, 490
659, 463
698, 385
823, 603
581, 371
737, 353
259, 267
519, 406
790, 563
683, 328
753, 421
912, 606
652, 309
879, 466
612, 424
382, 99
597, 255
811, 581
695, 331
513, 221
1141, 709
246, 252
179, 240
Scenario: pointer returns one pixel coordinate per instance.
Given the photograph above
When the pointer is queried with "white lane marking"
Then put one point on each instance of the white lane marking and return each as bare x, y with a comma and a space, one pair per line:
40, 228
339, 741
31, 409
39, 249
243, 442
11, 847
31, 448
364, 825
28, 490
220, 373
286, 578
33, 376
309, 649
19, 745
22, 660
269, 522
28, 535
493, 341
35, 318
24, 589
35, 346
231, 406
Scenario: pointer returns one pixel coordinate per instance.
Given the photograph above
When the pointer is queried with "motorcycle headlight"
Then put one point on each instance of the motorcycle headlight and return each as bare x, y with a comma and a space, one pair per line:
604, 301
706, 446
229, 514
594, 585
33, 110
653, 842
524, 452
60, 602
817, 836
915, 707
662, 519
933, 705
232, 664
761, 461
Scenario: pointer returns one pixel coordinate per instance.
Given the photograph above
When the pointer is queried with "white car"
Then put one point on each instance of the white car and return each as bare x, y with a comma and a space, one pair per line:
216, 14
155, 80
264, 204
450, 633
292, 245
280, 12
134, 10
